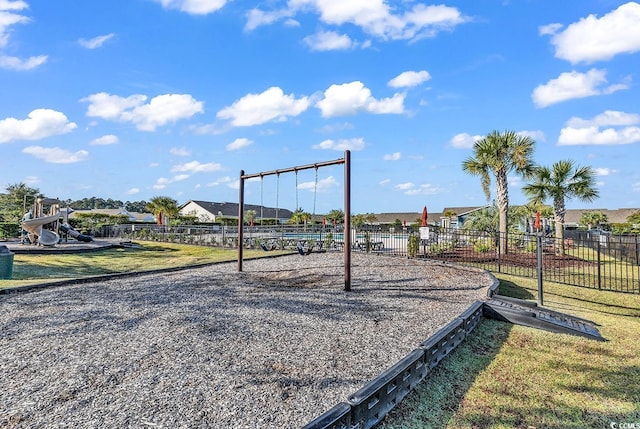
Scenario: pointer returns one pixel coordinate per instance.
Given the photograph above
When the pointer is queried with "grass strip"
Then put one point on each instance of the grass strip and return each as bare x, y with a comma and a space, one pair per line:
506, 376
34, 269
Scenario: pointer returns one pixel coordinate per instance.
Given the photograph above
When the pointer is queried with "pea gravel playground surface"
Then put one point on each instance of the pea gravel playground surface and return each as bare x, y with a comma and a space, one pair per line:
273, 346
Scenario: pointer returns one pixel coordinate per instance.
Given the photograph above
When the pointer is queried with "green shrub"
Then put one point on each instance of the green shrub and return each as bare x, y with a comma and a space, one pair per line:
413, 246
483, 245
9, 230
328, 239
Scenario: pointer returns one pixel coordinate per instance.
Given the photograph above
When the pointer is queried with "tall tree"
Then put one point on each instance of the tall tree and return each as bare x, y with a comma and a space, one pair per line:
163, 208
17, 201
593, 219
300, 216
562, 181
500, 154
336, 215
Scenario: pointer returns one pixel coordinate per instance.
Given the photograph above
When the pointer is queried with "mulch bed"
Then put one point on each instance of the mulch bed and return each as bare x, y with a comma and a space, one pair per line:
514, 258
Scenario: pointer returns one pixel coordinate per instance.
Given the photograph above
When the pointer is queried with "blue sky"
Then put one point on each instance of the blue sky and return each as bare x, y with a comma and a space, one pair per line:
131, 99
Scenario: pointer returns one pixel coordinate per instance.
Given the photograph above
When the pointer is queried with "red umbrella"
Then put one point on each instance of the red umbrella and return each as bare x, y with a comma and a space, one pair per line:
424, 216
404, 222
537, 223
160, 218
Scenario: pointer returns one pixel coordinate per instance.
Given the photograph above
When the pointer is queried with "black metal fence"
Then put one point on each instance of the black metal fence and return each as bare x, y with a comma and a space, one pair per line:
584, 258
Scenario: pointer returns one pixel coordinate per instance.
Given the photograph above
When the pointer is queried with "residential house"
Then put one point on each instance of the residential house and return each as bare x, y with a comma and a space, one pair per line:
207, 211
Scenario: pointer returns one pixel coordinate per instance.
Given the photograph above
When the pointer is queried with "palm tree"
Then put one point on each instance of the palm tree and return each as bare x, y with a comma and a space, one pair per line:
249, 216
592, 219
163, 208
500, 154
300, 216
564, 180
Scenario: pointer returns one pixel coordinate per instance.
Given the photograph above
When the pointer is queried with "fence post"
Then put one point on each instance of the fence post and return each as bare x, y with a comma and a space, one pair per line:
499, 253
539, 268
599, 270
637, 250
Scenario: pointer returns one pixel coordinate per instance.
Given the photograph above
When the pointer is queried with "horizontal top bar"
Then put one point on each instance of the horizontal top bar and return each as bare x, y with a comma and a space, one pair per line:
290, 169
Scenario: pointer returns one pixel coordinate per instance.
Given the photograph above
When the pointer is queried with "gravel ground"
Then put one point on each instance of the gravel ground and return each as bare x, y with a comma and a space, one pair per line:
271, 347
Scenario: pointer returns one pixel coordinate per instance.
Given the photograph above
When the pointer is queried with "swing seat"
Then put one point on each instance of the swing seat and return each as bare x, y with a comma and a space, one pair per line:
302, 252
267, 249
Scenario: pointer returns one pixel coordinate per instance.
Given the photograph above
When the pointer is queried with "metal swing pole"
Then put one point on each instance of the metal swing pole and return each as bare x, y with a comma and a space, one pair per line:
240, 215
347, 220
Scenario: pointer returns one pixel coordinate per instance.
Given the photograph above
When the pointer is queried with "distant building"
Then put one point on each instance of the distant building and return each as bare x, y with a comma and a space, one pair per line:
207, 211
133, 216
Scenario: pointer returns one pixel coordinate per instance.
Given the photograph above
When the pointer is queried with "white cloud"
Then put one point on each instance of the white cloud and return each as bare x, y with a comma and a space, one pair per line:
256, 109
384, 181
514, 181
159, 111
549, 29
56, 155
31, 180
351, 98
410, 188
96, 42
197, 167
622, 128
600, 39
180, 151
257, 18
374, 17
534, 134
572, 85
636, 187
328, 41
105, 140
324, 185
8, 18
40, 123
464, 141
220, 181
15, 63
595, 136
608, 117
409, 79
342, 144
603, 171
194, 7
391, 156
239, 144
133, 191
162, 182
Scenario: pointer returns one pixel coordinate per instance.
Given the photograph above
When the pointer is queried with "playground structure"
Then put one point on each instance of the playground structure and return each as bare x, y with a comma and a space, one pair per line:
347, 206
45, 212
42, 223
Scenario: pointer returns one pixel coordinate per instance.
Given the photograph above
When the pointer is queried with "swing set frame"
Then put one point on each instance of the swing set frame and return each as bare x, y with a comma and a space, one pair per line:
347, 207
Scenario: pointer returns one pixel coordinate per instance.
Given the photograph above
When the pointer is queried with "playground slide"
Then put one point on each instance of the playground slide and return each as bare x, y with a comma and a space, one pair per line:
65, 227
34, 227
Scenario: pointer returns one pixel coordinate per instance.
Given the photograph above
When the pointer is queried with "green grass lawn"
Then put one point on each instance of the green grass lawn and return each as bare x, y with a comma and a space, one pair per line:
32, 269
506, 376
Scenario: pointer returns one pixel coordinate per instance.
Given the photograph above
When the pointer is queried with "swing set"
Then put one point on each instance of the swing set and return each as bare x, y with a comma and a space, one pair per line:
346, 161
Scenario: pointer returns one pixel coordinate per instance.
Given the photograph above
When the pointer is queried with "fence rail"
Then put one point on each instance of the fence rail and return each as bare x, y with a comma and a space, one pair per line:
586, 259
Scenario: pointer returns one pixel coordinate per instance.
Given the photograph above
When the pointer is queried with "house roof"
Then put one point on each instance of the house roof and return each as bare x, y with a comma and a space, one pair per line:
461, 211
231, 209
572, 216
